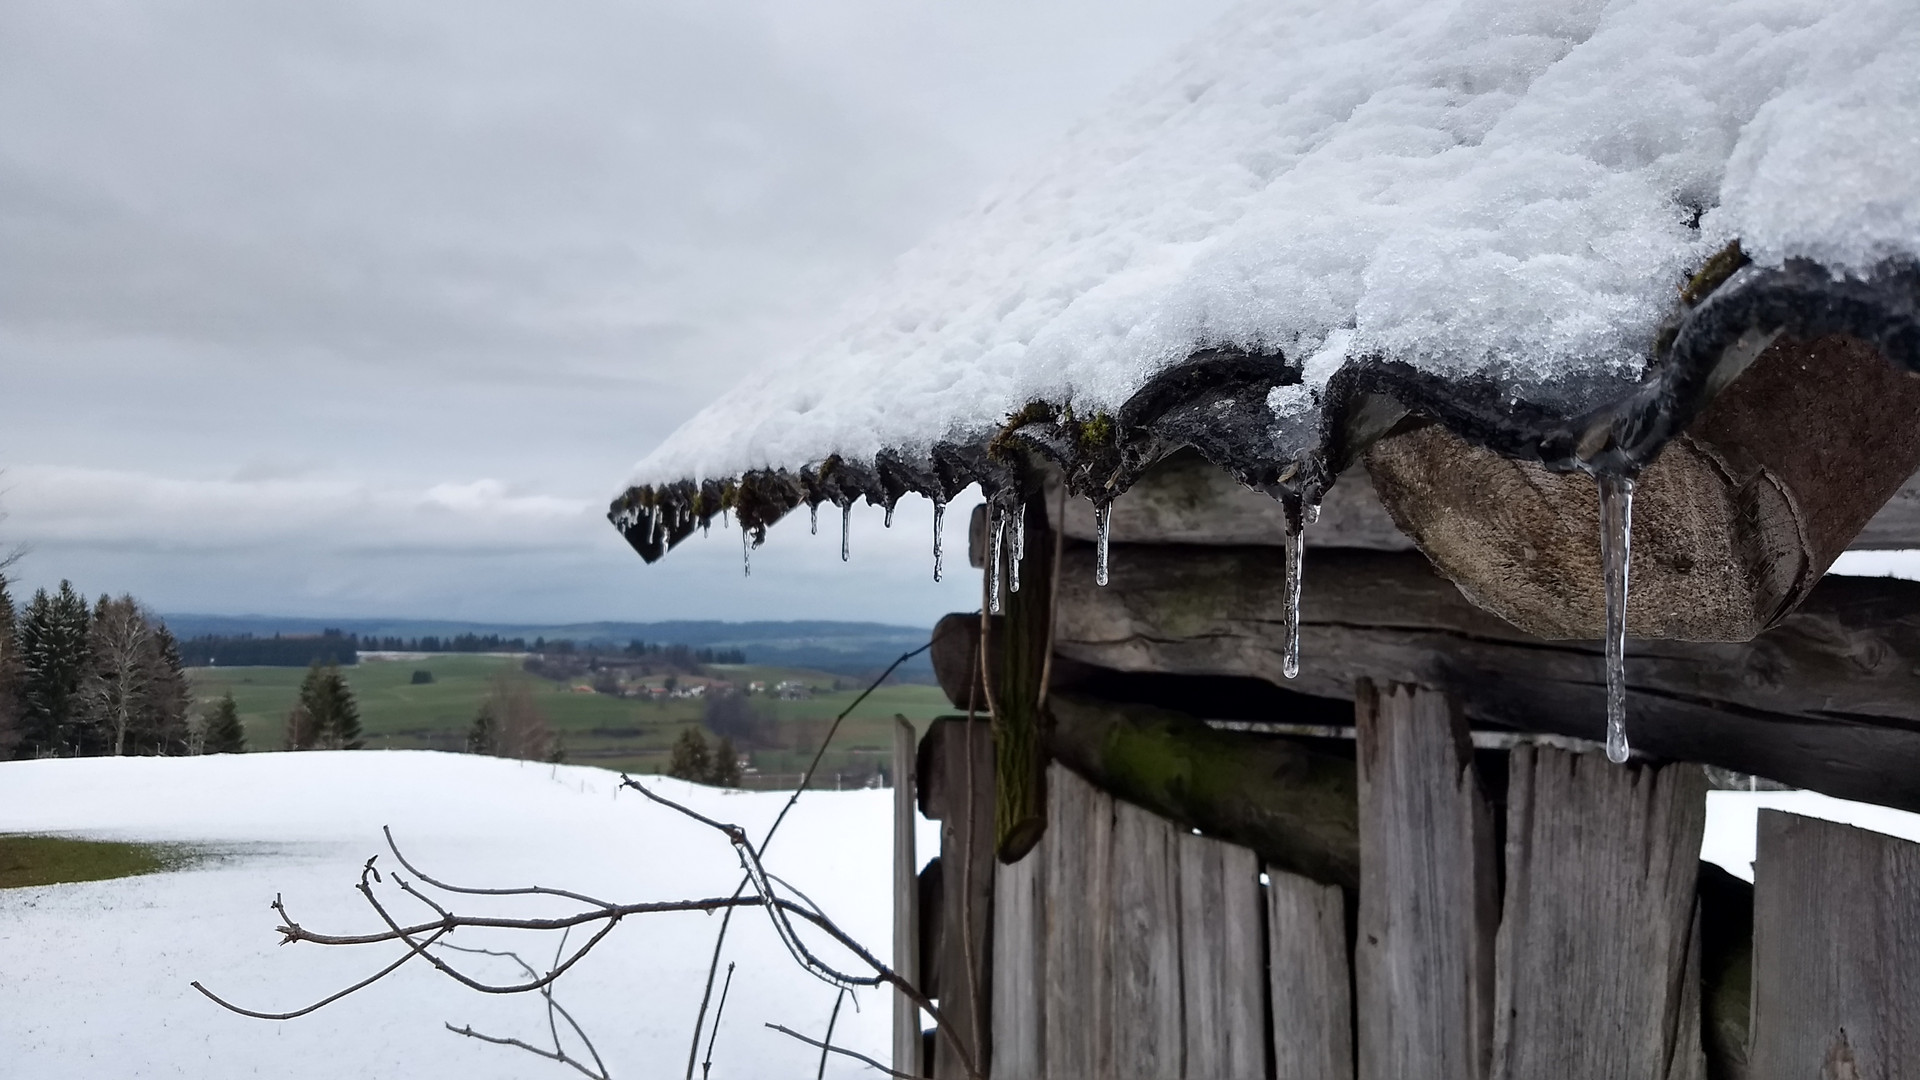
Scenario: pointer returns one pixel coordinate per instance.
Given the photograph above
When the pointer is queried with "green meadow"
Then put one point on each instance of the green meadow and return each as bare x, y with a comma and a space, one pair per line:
625, 733
53, 860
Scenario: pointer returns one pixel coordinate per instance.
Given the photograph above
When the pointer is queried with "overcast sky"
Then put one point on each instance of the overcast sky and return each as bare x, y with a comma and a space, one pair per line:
366, 308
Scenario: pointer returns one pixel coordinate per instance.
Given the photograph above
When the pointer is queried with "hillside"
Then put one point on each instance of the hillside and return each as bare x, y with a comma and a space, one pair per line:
845, 648
98, 972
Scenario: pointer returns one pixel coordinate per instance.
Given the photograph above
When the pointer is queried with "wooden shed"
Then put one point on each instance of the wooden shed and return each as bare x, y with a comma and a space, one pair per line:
1412, 454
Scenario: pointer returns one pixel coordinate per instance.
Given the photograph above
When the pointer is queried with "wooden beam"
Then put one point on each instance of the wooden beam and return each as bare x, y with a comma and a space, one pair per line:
1597, 970
1429, 905
1828, 700
1144, 1028
960, 755
1188, 500
1310, 979
1836, 951
1221, 973
1297, 809
907, 1040
1078, 879
1020, 968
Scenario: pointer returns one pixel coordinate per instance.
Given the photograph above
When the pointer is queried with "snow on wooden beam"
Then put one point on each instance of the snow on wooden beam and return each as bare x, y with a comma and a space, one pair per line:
1828, 700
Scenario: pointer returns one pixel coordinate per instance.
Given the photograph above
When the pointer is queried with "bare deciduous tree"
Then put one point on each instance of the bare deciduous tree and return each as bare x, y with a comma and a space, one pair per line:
117, 684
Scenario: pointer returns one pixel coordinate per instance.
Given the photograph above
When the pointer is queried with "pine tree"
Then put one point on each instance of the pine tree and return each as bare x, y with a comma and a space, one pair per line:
9, 674
691, 760
224, 732
482, 737
332, 716
168, 697
53, 665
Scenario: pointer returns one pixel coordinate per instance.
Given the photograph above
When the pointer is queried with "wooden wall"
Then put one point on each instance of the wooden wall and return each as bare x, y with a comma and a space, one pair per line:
1554, 932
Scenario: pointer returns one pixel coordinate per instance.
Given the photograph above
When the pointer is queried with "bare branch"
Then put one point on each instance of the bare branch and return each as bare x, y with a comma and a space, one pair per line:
550, 1055
530, 890
325, 1001
857, 1056
706, 1067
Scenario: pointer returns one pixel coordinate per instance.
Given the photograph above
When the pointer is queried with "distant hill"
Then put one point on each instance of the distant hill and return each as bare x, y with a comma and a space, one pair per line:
851, 648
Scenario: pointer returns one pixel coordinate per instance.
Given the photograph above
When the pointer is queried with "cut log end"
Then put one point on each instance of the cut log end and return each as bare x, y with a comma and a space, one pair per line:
1733, 523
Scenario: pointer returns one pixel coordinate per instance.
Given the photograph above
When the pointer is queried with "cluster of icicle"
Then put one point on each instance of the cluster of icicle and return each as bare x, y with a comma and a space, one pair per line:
1008, 526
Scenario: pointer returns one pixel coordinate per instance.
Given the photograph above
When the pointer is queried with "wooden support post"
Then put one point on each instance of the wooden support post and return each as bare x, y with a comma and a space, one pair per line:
962, 799
907, 1042
1428, 905
1080, 819
1836, 952
1598, 968
1145, 1026
1019, 643
1220, 960
1020, 967
1309, 978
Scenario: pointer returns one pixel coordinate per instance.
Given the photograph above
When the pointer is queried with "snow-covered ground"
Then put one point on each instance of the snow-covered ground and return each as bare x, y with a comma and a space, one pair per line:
93, 977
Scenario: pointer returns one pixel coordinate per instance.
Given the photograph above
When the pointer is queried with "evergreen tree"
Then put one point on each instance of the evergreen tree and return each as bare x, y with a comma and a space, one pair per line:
483, 737
726, 764
9, 674
53, 666
224, 732
691, 759
332, 716
168, 698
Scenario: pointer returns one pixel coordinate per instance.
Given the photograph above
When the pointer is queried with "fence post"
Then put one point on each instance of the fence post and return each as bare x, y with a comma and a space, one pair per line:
906, 903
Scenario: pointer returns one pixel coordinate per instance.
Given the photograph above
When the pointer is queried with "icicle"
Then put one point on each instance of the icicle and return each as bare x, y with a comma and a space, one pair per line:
746, 552
997, 528
846, 528
1290, 602
1019, 547
1102, 514
813, 520
1616, 542
888, 524
939, 523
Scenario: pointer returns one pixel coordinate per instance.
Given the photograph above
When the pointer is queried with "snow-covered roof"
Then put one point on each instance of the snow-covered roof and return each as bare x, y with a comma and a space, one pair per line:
1324, 214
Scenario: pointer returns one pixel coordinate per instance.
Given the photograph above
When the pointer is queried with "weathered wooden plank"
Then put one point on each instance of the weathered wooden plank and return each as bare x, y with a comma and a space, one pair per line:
1296, 808
1428, 906
1836, 952
1188, 500
1078, 881
1020, 968
907, 1041
1596, 970
1220, 960
1828, 700
1145, 1026
964, 760
1310, 979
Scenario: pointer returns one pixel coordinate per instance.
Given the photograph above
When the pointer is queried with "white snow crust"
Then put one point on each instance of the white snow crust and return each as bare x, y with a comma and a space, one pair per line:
96, 974
1478, 186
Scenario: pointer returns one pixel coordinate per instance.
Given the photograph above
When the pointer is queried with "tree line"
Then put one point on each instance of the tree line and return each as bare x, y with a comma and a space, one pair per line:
106, 679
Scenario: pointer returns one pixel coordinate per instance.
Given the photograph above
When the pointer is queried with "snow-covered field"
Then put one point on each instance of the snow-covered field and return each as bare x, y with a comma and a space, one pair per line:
93, 977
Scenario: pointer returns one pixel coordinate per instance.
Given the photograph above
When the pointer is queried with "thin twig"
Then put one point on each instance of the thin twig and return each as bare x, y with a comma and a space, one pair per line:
550, 1055
325, 1001
857, 1056
806, 780
706, 1067
821, 1073
528, 890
